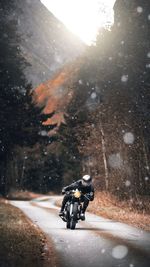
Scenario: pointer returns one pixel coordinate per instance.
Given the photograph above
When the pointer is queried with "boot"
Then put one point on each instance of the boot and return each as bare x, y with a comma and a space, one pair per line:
82, 216
61, 213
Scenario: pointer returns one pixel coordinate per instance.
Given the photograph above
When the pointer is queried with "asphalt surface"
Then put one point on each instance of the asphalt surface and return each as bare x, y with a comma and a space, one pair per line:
97, 242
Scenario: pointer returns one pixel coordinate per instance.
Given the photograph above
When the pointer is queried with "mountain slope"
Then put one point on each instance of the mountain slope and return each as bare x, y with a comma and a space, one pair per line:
44, 41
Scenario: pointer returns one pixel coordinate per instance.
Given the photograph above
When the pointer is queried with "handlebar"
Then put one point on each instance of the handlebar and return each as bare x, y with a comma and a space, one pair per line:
87, 195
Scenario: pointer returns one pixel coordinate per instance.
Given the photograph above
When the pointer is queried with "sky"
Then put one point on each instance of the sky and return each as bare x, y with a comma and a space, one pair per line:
82, 17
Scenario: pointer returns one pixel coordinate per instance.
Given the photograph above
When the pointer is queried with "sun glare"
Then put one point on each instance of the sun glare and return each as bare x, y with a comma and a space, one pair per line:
83, 17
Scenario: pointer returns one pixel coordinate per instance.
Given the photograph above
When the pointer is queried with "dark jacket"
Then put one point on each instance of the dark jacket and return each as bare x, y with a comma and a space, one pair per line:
84, 189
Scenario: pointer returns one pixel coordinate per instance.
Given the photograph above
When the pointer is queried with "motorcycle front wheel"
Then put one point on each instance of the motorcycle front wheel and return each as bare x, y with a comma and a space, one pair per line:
72, 224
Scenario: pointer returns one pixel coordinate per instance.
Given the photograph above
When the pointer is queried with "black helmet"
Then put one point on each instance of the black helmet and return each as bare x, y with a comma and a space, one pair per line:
86, 180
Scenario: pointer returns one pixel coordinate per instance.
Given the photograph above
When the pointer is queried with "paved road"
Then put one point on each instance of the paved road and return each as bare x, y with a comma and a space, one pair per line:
97, 242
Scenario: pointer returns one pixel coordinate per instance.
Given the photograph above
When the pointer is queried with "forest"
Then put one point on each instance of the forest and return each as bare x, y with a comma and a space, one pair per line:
105, 126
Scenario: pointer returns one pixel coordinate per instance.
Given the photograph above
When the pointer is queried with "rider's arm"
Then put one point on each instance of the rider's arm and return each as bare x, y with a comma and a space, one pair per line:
90, 195
70, 187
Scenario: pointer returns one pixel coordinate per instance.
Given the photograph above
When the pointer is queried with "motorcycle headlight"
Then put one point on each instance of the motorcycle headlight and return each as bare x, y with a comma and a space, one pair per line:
77, 194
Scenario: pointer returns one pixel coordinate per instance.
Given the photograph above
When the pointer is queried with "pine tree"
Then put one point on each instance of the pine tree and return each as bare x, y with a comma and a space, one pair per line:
20, 120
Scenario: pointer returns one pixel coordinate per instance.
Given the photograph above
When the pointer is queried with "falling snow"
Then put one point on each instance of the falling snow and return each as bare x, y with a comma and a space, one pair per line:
128, 138
139, 9
43, 133
147, 66
115, 160
127, 183
80, 82
93, 95
124, 78
119, 252
148, 54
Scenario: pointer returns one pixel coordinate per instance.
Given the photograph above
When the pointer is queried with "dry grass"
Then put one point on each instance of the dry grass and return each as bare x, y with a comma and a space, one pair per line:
21, 242
128, 212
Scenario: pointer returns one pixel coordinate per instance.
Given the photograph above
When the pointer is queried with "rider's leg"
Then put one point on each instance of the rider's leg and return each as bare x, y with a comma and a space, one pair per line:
84, 207
85, 204
65, 199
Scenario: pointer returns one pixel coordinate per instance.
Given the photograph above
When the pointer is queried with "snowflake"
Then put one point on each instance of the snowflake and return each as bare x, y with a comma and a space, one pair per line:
124, 78
128, 138
139, 9
119, 252
127, 183
148, 54
80, 82
93, 95
103, 251
115, 160
147, 65
43, 133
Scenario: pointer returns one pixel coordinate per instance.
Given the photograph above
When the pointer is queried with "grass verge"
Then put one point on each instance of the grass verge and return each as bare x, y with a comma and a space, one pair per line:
108, 206
21, 242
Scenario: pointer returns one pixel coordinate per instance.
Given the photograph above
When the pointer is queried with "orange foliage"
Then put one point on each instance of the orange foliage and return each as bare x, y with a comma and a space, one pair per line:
55, 94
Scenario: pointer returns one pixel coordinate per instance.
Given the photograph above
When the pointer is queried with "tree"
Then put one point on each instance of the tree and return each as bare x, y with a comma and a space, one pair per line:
112, 89
20, 119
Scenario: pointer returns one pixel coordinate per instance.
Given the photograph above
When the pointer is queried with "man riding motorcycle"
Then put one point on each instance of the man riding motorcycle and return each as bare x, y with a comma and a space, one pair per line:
85, 186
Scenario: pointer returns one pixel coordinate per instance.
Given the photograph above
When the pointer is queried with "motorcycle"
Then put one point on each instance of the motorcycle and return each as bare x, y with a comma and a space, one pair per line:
72, 209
